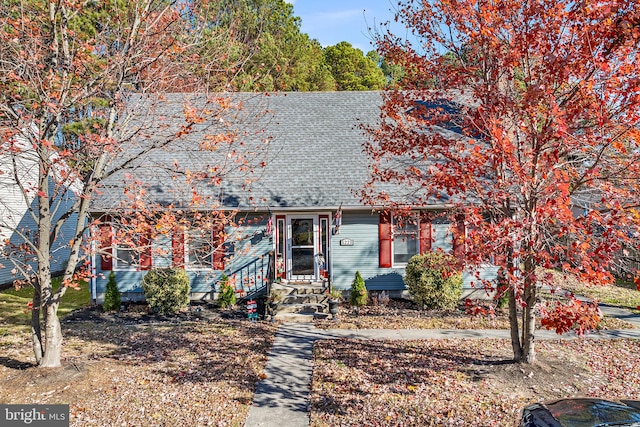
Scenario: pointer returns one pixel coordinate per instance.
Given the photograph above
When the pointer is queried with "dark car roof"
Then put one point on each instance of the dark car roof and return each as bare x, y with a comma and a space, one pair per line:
587, 412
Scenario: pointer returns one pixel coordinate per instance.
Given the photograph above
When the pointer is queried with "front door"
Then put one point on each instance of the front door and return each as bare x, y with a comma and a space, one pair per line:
301, 247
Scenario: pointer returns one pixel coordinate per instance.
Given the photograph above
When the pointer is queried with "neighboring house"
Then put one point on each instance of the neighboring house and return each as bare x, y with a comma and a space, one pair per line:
303, 215
18, 205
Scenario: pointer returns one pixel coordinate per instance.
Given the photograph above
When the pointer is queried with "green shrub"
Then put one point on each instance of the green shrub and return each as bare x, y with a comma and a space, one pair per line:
359, 294
433, 280
502, 290
166, 289
227, 296
111, 295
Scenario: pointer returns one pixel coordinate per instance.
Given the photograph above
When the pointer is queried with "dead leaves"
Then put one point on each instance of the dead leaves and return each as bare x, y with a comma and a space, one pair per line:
191, 373
460, 382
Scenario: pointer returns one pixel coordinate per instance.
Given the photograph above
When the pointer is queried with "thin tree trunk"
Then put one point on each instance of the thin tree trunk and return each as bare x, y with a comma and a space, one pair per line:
528, 314
513, 324
36, 332
53, 338
516, 345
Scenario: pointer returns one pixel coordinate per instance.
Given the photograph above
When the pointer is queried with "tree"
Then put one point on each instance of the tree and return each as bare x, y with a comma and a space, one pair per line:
352, 70
79, 85
529, 131
393, 73
278, 56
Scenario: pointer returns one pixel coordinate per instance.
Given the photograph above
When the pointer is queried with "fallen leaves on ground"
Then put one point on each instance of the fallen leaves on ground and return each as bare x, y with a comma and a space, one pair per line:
461, 382
165, 374
404, 314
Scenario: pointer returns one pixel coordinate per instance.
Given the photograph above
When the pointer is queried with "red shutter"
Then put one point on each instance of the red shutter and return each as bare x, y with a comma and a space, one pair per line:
177, 247
218, 247
145, 255
425, 232
458, 237
105, 241
386, 237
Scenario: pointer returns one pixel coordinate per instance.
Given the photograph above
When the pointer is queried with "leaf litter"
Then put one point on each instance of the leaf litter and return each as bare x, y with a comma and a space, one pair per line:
461, 382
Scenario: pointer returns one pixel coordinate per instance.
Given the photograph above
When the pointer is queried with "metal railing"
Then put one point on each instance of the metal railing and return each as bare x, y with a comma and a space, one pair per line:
254, 278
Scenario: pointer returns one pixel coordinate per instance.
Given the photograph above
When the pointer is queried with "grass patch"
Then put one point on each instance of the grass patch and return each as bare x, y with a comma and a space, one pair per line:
623, 293
15, 314
618, 295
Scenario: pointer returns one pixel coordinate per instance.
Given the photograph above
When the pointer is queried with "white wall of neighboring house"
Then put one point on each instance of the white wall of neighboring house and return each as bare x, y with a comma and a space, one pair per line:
18, 164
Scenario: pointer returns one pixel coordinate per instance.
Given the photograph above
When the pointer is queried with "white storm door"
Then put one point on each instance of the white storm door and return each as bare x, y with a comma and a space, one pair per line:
302, 247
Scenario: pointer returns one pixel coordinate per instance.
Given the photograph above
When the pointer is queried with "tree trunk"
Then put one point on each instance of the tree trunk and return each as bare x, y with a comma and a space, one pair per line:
513, 325
36, 332
47, 351
53, 338
516, 344
528, 314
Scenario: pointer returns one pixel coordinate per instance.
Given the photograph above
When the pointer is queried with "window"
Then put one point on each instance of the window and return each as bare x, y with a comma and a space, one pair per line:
127, 256
162, 251
406, 238
120, 249
200, 244
403, 236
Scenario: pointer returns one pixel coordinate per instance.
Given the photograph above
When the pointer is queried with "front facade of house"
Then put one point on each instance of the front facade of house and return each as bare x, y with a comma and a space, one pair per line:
290, 246
309, 224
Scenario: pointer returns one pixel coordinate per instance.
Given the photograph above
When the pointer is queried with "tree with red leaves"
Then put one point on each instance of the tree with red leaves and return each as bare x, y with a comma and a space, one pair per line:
524, 118
79, 85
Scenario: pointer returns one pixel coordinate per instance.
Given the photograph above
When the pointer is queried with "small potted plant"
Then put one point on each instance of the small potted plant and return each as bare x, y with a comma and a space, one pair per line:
335, 296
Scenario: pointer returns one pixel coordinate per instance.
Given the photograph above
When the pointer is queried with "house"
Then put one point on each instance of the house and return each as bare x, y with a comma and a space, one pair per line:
18, 212
302, 219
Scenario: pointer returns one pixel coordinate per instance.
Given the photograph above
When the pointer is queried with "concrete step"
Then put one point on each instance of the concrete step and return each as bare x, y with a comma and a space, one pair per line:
300, 317
299, 289
305, 299
307, 308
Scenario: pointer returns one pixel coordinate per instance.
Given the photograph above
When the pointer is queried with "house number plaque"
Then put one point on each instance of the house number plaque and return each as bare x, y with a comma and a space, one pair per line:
346, 242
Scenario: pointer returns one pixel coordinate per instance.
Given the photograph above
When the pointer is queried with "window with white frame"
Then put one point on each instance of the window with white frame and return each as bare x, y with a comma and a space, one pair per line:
162, 251
127, 254
406, 238
200, 249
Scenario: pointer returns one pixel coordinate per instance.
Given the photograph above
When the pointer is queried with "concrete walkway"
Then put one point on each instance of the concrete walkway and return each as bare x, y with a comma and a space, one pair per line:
282, 399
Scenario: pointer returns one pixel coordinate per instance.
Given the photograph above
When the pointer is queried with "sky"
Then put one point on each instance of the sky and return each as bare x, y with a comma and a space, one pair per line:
333, 21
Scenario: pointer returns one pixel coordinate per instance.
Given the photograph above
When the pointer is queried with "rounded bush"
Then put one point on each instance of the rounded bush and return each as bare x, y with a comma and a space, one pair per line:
166, 289
434, 281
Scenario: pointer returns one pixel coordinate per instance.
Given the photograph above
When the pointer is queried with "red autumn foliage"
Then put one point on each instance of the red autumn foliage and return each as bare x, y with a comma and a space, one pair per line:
80, 85
523, 117
574, 315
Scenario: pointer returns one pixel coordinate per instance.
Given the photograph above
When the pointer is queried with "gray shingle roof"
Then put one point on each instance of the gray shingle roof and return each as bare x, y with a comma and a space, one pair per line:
314, 159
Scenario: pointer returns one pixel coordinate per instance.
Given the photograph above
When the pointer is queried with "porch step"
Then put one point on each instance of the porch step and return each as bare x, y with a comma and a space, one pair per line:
302, 308
300, 317
300, 288
309, 298
305, 299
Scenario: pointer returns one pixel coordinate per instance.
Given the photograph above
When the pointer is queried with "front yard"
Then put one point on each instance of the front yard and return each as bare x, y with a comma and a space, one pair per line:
461, 382
201, 368
195, 373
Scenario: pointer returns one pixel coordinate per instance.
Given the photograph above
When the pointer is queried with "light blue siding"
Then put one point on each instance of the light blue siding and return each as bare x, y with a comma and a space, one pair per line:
363, 256
362, 229
246, 263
